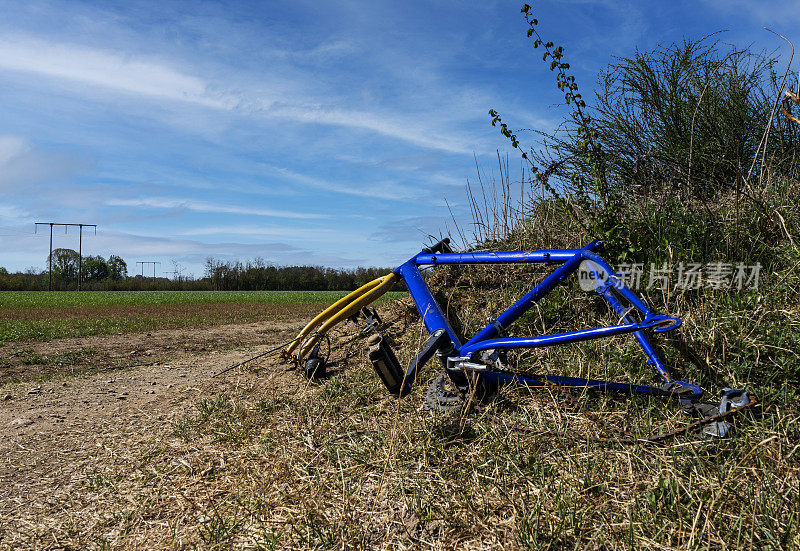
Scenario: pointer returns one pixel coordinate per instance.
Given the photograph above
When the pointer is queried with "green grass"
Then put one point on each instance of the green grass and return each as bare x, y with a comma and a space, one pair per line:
66, 299
47, 329
69, 358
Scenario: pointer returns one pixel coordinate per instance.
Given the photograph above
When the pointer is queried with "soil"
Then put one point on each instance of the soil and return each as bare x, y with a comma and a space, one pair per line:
56, 431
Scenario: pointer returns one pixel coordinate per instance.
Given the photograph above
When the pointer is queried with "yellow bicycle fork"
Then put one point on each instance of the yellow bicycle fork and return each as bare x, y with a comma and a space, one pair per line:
335, 313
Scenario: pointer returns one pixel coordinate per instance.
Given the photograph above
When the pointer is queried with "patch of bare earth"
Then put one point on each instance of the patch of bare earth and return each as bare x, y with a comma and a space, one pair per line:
61, 436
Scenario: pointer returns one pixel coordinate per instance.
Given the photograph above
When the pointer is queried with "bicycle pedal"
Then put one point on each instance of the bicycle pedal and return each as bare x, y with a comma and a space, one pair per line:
385, 363
314, 368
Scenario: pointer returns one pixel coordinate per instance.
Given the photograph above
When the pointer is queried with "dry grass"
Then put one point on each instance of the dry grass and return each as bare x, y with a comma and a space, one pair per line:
268, 461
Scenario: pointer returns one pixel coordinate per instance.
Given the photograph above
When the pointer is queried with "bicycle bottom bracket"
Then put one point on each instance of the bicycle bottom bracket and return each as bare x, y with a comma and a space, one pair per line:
444, 395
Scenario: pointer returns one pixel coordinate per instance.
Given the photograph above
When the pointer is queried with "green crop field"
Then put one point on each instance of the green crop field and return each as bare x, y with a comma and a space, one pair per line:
39, 315
65, 299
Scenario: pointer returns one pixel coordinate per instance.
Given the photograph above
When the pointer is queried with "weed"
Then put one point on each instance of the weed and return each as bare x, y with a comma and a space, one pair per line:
67, 358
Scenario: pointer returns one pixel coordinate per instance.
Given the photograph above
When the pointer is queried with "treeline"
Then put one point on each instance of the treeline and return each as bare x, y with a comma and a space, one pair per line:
99, 274
238, 276
95, 272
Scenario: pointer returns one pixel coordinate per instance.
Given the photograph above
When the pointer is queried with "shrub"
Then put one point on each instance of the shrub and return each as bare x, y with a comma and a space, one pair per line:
690, 114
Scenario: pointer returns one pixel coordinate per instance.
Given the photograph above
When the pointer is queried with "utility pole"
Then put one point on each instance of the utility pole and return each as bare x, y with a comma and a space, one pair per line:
80, 248
149, 262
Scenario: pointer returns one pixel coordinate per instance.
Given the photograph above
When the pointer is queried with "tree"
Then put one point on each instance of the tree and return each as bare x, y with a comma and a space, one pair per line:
95, 268
117, 268
65, 263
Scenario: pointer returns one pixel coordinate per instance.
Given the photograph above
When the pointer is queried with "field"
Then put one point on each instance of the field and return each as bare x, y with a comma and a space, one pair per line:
123, 439
18, 300
37, 316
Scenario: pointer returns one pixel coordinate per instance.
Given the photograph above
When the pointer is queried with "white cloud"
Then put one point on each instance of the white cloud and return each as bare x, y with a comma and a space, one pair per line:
22, 164
131, 245
284, 233
11, 146
402, 128
767, 12
108, 69
16, 224
203, 206
416, 229
11, 213
158, 79
375, 190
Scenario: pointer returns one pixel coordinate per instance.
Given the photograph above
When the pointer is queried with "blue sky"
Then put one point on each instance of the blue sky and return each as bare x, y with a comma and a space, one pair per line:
299, 132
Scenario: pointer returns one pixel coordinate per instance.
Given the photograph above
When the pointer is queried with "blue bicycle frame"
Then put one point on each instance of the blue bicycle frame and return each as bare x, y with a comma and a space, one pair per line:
492, 337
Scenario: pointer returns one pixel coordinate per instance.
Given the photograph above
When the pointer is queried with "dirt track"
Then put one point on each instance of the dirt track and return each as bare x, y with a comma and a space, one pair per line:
55, 434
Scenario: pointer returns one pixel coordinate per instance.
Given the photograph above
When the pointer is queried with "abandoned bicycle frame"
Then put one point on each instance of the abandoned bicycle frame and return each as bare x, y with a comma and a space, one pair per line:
481, 358
458, 358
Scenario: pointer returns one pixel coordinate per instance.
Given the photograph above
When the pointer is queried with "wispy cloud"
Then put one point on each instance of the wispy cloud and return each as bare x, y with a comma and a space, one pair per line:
408, 129
416, 229
11, 212
109, 69
22, 164
159, 80
770, 11
130, 244
284, 233
373, 190
204, 206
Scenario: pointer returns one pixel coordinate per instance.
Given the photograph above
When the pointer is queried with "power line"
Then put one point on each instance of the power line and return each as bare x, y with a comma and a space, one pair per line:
15, 231
149, 262
80, 247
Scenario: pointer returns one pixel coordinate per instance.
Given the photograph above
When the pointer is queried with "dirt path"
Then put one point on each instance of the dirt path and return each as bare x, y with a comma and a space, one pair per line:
28, 361
55, 434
